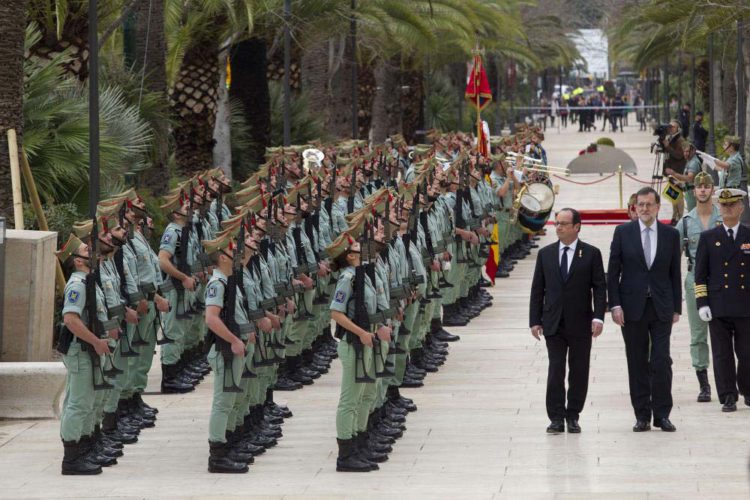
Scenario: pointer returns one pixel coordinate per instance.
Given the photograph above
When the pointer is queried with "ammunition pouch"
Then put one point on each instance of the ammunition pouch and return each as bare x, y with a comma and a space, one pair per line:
166, 287
246, 328
148, 288
134, 298
116, 312
256, 314
64, 338
268, 303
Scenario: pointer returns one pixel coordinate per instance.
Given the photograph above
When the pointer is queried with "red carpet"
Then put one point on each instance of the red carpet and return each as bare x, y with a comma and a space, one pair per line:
613, 216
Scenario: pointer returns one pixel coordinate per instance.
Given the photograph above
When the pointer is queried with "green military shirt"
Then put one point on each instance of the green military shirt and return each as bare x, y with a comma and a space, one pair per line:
692, 223
343, 296
215, 290
75, 298
735, 174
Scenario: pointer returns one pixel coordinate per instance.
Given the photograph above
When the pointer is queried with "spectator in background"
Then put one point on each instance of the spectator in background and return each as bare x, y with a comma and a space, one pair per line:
619, 111
700, 134
685, 120
554, 110
564, 110
640, 113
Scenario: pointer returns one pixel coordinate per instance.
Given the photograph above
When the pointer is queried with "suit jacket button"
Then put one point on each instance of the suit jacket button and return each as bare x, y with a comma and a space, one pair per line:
726, 264
726, 286
726, 275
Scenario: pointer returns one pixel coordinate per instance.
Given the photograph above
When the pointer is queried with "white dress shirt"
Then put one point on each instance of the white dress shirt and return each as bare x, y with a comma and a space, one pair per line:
571, 252
652, 236
734, 230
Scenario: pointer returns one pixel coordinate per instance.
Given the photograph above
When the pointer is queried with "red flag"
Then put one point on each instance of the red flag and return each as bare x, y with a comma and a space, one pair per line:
478, 91
491, 265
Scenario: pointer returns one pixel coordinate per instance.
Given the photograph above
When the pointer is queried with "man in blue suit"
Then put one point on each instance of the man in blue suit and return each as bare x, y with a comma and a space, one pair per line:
645, 297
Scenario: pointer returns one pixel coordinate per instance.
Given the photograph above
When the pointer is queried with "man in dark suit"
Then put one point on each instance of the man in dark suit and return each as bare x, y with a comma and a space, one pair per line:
722, 295
645, 296
568, 275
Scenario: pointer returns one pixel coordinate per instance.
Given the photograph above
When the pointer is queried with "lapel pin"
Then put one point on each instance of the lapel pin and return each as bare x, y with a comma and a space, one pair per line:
580, 253
718, 243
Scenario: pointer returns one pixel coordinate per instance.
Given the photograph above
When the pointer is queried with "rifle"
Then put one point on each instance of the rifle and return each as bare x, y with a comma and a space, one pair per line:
361, 317
227, 316
182, 257
352, 191
92, 279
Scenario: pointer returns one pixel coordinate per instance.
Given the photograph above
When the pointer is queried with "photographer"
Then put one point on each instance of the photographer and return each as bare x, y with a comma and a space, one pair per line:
691, 170
673, 145
733, 171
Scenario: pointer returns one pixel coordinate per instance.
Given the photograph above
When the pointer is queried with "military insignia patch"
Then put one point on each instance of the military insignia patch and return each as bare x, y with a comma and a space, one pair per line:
211, 292
340, 296
166, 238
73, 296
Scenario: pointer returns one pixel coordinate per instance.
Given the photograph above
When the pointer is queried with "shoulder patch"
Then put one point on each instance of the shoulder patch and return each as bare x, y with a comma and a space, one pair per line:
167, 238
73, 296
340, 296
211, 292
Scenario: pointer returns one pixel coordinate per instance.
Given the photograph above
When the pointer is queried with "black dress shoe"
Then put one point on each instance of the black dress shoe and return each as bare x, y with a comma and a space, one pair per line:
445, 336
556, 427
573, 427
641, 426
665, 424
730, 404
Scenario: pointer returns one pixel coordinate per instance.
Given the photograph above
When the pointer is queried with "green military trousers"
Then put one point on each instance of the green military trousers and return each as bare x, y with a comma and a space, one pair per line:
351, 405
223, 402
699, 352
78, 407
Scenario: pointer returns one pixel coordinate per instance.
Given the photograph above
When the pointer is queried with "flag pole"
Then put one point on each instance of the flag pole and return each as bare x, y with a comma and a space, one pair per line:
477, 80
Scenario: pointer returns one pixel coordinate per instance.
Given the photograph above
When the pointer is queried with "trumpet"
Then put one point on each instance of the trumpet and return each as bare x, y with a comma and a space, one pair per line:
526, 159
538, 167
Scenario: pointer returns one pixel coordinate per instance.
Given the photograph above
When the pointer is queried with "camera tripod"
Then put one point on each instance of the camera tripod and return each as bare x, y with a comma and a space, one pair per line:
657, 172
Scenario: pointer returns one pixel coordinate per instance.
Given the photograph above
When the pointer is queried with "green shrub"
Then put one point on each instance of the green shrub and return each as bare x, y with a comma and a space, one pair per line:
60, 218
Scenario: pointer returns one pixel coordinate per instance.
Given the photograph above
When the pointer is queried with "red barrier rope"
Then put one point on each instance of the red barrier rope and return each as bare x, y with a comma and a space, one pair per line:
584, 183
637, 180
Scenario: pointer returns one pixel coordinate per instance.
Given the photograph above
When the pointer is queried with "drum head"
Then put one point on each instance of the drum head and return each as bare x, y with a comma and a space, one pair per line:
543, 194
530, 202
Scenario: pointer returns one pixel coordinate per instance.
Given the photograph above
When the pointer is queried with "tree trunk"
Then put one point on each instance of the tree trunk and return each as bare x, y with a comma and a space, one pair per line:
717, 91
729, 98
746, 56
411, 104
365, 97
339, 119
193, 101
386, 106
223, 129
314, 77
151, 58
12, 24
250, 86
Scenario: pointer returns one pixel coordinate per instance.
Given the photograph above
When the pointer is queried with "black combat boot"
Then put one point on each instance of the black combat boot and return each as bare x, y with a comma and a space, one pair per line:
170, 383
218, 461
361, 441
705, 395
112, 431
348, 461
276, 408
142, 404
93, 453
75, 462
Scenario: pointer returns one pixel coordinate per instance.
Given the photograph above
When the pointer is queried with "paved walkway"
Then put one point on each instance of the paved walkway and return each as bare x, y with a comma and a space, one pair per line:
479, 431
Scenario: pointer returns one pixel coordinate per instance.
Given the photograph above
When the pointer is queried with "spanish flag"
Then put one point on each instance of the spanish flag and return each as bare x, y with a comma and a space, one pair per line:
478, 91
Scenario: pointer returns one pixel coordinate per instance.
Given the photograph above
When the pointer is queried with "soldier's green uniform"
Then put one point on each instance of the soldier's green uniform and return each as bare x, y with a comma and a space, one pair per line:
735, 174
78, 414
352, 408
228, 369
690, 227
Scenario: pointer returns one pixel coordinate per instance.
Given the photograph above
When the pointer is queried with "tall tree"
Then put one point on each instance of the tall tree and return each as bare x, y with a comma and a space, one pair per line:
12, 31
151, 61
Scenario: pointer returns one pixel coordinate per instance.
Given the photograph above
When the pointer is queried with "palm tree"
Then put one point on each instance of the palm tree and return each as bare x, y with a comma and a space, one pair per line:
12, 22
151, 62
